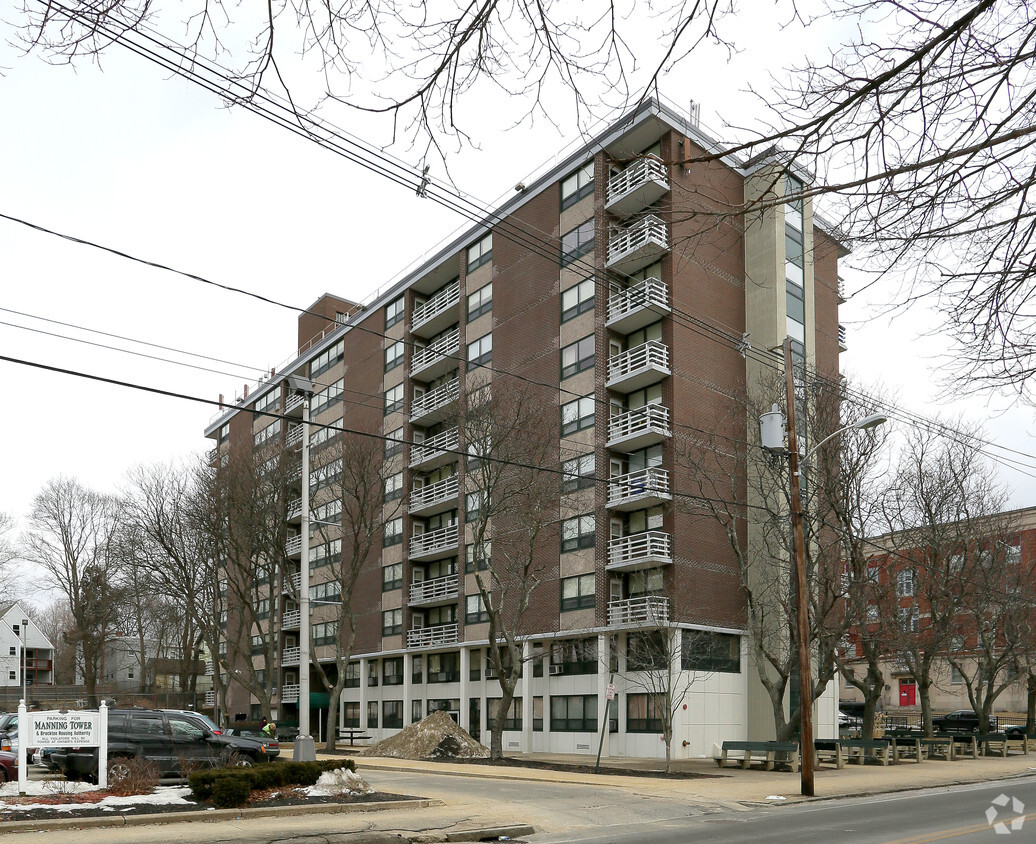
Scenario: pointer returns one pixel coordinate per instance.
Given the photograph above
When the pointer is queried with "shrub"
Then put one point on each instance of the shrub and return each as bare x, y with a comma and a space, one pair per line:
204, 784
230, 792
131, 775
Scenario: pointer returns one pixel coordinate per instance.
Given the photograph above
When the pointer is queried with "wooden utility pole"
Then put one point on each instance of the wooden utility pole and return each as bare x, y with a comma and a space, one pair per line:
798, 542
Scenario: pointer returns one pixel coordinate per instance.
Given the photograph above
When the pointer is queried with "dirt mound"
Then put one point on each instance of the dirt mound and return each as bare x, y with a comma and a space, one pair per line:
434, 737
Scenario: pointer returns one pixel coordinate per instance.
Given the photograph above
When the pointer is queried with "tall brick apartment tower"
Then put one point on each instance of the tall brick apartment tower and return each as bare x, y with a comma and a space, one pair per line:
606, 286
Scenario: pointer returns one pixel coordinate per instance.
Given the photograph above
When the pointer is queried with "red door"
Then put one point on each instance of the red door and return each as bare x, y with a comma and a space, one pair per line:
907, 692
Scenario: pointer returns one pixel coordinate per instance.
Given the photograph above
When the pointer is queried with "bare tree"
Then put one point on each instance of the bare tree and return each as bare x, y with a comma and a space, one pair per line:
510, 500
8, 555
55, 621
71, 536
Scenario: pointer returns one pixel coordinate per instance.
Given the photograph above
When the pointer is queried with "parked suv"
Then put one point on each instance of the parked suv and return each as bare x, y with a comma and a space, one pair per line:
170, 740
960, 721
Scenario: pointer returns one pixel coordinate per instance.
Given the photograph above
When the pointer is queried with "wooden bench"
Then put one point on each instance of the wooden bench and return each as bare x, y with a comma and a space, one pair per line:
1003, 742
857, 750
763, 752
354, 734
829, 749
938, 745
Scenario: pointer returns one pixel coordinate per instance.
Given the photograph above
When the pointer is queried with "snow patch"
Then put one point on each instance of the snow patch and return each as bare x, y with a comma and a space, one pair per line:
163, 795
338, 781
776, 797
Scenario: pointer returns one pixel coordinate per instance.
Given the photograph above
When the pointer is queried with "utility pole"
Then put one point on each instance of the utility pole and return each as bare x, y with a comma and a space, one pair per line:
798, 542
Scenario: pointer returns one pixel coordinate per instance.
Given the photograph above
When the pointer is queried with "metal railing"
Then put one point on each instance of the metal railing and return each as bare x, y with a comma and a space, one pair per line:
425, 496
652, 354
293, 580
294, 435
290, 693
293, 545
441, 348
435, 590
653, 545
434, 540
294, 401
425, 637
647, 169
841, 336
647, 231
652, 418
294, 508
644, 294
441, 301
434, 446
291, 656
651, 482
647, 610
291, 619
435, 399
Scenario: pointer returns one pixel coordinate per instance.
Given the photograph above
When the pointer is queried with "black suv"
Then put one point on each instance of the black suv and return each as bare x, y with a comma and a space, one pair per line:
171, 740
960, 721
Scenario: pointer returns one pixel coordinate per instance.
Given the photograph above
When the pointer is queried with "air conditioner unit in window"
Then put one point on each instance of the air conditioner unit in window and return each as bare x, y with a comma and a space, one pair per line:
490, 673
557, 669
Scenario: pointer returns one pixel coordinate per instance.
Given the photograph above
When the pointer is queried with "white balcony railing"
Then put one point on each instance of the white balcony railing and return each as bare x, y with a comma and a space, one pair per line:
637, 186
439, 589
424, 497
648, 610
638, 367
640, 427
294, 509
841, 338
211, 455
291, 656
435, 448
294, 435
637, 245
291, 619
290, 693
294, 403
426, 637
292, 583
644, 488
293, 546
443, 350
435, 399
210, 698
210, 668
638, 305
641, 550
434, 541
438, 305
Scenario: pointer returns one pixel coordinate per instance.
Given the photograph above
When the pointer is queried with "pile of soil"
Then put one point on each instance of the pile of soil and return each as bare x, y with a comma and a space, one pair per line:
435, 737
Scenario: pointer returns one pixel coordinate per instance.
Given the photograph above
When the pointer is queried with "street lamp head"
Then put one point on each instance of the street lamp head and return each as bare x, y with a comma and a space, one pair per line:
300, 385
872, 421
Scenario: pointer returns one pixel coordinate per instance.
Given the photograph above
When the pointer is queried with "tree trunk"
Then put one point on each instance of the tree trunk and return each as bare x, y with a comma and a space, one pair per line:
496, 731
924, 695
1030, 705
332, 711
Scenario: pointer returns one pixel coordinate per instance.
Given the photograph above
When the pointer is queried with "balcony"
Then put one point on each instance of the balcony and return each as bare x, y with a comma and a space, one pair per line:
639, 185
291, 620
435, 544
646, 488
294, 437
437, 359
434, 498
431, 407
841, 339
437, 313
291, 584
638, 305
435, 451
210, 668
640, 551
429, 637
211, 455
291, 656
295, 510
646, 611
634, 247
293, 406
210, 698
293, 547
639, 428
290, 693
441, 590
639, 367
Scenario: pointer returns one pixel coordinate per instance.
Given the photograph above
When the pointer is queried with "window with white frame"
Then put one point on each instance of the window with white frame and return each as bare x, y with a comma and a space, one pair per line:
909, 619
905, 584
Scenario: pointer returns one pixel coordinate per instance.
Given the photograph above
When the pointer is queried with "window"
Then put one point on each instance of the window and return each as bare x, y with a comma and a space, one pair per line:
11, 675
393, 443
257, 645
577, 186
574, 656
573, 713
443, 668
472, 505
391, 622
393, 532
326, 553
579, 592
322, 437
577, 242
956, 563
352, 675
14, 650
578, 473
393, 356
224, 433
577, 356
475, 610
480, 351
703, 650
480, 253
578, 532
325, 633
326, 359
577, 300
392, 671
793, 256
872, 613
351, 714
392, 714
269, 402
793, 208
394, 313
267, 433
645, 713
956, 678
393, 399
330, 512
645, 582
513, 718
577, 415
1012, 554
392, 577
372, 713
480, 302
647, 651
325, 399
905, 584
476, 559
394, 487
329, 591
908, 619
262, 609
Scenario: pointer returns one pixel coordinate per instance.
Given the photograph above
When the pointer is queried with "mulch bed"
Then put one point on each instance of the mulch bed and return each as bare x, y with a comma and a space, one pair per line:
510, 762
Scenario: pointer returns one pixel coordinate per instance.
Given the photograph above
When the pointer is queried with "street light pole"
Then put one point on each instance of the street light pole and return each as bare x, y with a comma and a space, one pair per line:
25, 624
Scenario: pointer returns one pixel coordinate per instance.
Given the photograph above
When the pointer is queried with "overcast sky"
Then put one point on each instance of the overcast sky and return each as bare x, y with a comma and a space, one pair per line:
140, 161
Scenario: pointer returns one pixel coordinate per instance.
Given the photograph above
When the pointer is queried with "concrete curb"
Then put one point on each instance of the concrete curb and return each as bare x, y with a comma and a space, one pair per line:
490, 833
214, 815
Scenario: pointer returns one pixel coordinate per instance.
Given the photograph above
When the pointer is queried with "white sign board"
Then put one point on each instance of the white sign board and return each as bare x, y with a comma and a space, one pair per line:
63, 729
609, 693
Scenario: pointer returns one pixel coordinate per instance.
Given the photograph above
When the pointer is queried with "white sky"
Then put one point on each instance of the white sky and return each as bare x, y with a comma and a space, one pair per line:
145, 163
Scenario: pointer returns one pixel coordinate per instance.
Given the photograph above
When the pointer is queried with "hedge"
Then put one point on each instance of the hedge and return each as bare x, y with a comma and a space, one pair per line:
213, 784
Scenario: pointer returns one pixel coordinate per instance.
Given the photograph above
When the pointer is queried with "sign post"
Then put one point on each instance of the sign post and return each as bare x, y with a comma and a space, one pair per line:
56, 728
